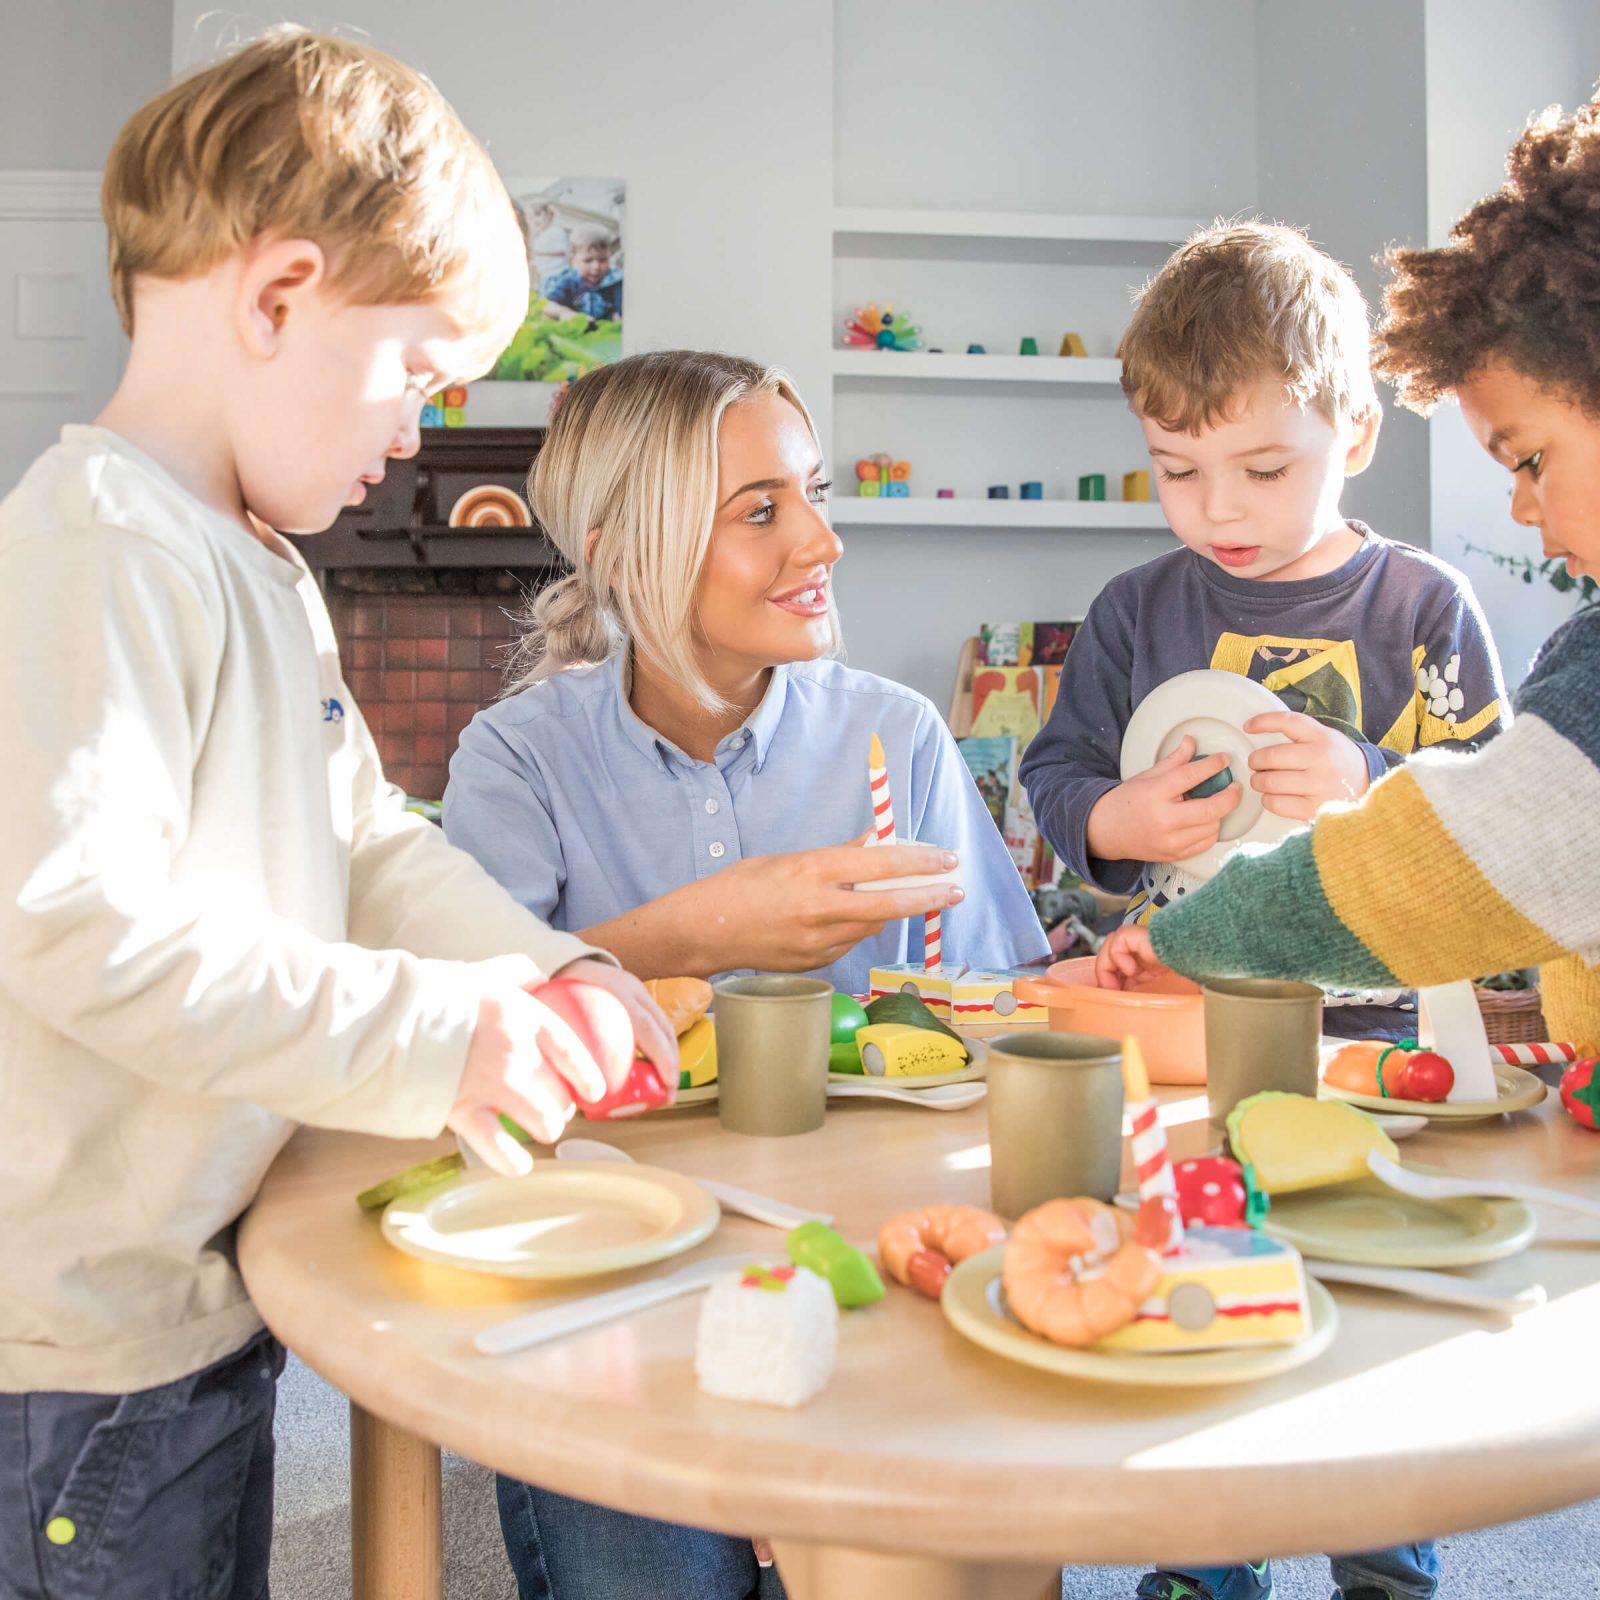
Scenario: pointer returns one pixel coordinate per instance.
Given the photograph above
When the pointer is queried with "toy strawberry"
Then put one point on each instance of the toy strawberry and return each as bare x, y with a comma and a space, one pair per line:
1580, 1093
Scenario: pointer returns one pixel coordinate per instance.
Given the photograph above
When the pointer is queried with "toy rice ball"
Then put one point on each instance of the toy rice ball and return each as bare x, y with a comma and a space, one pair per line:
769, 1335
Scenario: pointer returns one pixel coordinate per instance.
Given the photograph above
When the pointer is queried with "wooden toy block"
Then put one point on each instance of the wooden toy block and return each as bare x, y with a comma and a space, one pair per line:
1221, 1287
900, 472
867, 471
1033, 491
869, 487
1029, 347
454, 417
455, 395
431, 416
999, 491
1092, 486
896, 490
976, 350
1136, 485
1072, 345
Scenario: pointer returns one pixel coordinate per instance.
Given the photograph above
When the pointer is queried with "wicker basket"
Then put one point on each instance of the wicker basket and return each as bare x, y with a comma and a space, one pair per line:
1512, 1016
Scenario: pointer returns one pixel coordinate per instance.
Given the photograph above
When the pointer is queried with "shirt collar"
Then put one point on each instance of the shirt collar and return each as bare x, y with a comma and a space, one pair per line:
759, 728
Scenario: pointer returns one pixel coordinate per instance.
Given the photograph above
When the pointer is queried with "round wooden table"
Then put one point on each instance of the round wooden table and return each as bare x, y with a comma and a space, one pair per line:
928, 1465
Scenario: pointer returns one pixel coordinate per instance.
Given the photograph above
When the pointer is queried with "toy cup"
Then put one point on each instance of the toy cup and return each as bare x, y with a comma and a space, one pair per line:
1055, 1118
773, 1035
1261, 1033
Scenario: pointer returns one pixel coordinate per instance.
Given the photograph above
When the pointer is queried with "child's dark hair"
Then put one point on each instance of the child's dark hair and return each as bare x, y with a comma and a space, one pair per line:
1519, 281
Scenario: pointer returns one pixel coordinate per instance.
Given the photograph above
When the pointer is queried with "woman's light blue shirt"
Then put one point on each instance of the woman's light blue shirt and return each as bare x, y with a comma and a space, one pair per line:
583, 812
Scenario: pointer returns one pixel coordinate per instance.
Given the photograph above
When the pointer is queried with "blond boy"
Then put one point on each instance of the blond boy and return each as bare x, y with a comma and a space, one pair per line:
218, 919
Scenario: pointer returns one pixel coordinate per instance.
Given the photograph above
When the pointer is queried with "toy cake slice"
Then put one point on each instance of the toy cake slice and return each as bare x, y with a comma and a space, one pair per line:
1293, 1142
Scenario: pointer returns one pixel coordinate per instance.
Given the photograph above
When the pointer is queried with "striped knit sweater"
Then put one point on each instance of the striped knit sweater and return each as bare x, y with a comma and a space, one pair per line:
1451, 867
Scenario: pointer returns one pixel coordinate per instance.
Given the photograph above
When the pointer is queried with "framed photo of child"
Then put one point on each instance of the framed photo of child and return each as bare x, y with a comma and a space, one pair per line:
575, 248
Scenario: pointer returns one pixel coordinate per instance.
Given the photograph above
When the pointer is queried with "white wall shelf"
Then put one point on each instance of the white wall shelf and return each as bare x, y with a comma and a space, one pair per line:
848, 510
923, 366
887, 222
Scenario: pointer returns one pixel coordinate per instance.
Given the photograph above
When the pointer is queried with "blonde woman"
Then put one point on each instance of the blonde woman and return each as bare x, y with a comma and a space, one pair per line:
681, 772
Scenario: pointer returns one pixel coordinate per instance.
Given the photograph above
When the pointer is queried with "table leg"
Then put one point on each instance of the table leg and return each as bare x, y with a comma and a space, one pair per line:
831, 1571
396, 1526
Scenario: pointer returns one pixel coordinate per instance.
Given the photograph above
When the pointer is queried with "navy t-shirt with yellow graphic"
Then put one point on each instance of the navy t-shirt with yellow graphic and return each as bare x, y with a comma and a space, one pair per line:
1390, 648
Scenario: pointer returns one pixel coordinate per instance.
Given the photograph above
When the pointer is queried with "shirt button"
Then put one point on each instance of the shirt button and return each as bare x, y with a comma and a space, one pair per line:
741, 739
717, 848
713, 807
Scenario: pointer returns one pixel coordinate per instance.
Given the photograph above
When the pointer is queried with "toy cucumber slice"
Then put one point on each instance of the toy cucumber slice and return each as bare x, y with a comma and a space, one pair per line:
421, 1176
910, 1012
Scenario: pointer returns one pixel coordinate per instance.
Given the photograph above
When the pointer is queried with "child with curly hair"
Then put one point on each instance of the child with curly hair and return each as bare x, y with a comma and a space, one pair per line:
1456, 865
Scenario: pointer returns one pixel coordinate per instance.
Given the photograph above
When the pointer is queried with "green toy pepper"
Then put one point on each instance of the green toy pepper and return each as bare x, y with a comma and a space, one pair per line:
846, 1270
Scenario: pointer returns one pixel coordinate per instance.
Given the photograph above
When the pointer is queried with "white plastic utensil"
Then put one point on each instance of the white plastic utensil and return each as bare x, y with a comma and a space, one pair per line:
1399, 1127
539, 1327
943, 1097
1425, 1186
758, 1207
1444, 1287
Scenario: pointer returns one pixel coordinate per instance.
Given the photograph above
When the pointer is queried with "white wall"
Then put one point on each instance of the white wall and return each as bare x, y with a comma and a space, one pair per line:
1146, 107
1488, 69
1340, 126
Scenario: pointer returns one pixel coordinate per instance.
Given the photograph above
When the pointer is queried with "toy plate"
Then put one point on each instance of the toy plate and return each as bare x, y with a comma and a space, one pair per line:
1518, 1091
575, 1219
975, 1070
974, 1304
1366, 1223
1212, 707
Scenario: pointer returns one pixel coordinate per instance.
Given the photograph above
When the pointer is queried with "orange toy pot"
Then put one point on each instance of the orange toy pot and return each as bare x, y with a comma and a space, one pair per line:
1165, 1015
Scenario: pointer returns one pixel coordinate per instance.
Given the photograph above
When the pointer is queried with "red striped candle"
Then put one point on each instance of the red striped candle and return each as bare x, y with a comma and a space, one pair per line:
1159, 1224
931, 942
878, 787
1544, 1054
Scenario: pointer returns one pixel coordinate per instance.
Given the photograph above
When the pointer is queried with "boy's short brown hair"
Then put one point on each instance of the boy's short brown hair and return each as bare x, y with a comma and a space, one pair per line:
301, 135
1237, 304
1519, 280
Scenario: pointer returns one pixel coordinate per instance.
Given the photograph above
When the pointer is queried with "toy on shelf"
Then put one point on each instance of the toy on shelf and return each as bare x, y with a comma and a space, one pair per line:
883, 476
918, 1248
1290, 1141
1028, 347
446, 409
1072, 345
976, 350
1580, 1093
873, 329
1033, 490
1092, 486
999, 491
945, 494
1136, 485
767, 1334
490, 505
845, 1270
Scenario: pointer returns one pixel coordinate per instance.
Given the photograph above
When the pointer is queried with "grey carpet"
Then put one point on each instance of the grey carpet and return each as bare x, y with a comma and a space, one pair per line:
1552, 1558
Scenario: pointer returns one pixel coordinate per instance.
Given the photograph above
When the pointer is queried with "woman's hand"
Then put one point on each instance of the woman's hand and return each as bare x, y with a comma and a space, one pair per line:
1318, 765
782, 913
1147, 818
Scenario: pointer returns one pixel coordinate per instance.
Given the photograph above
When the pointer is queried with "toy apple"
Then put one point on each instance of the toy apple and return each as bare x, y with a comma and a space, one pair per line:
1425, 1076
604, 1029
1580, 1093
1212, 1192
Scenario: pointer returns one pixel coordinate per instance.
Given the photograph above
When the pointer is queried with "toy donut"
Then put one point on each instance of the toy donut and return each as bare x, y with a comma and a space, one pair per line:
1073, 1273
918, 1248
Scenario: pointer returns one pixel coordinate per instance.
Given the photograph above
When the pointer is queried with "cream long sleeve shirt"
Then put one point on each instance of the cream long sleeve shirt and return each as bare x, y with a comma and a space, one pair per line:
216, 918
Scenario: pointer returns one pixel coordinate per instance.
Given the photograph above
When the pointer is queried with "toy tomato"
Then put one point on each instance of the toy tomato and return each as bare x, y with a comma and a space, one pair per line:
1425, 1076
1211, 1190
1580, 1093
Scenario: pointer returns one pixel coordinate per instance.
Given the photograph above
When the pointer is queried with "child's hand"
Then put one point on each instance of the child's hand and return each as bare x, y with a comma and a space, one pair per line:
1318, 764
1146, 818
652, 1032
1126, 958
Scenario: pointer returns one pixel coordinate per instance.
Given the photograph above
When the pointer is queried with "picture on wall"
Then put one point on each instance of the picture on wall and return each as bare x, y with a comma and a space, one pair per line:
575, 243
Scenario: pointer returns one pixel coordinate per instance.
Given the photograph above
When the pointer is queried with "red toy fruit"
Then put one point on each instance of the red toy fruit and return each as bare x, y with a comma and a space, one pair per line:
1580, 1093
1425, 1076
603, 1027
1211, 1191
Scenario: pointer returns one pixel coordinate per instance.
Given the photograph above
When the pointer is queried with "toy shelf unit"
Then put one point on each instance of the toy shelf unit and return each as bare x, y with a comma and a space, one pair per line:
851, 511
985, 398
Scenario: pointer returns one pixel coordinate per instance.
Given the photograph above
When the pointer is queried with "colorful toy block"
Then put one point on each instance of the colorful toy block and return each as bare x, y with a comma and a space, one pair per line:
976, 350
455, 417
896, 490
1092, 486
872, 329
1033, 491
946, 494
431, 416
1072, 345
1136, 485
869, 489
999, 491
1029, 347
455, 395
